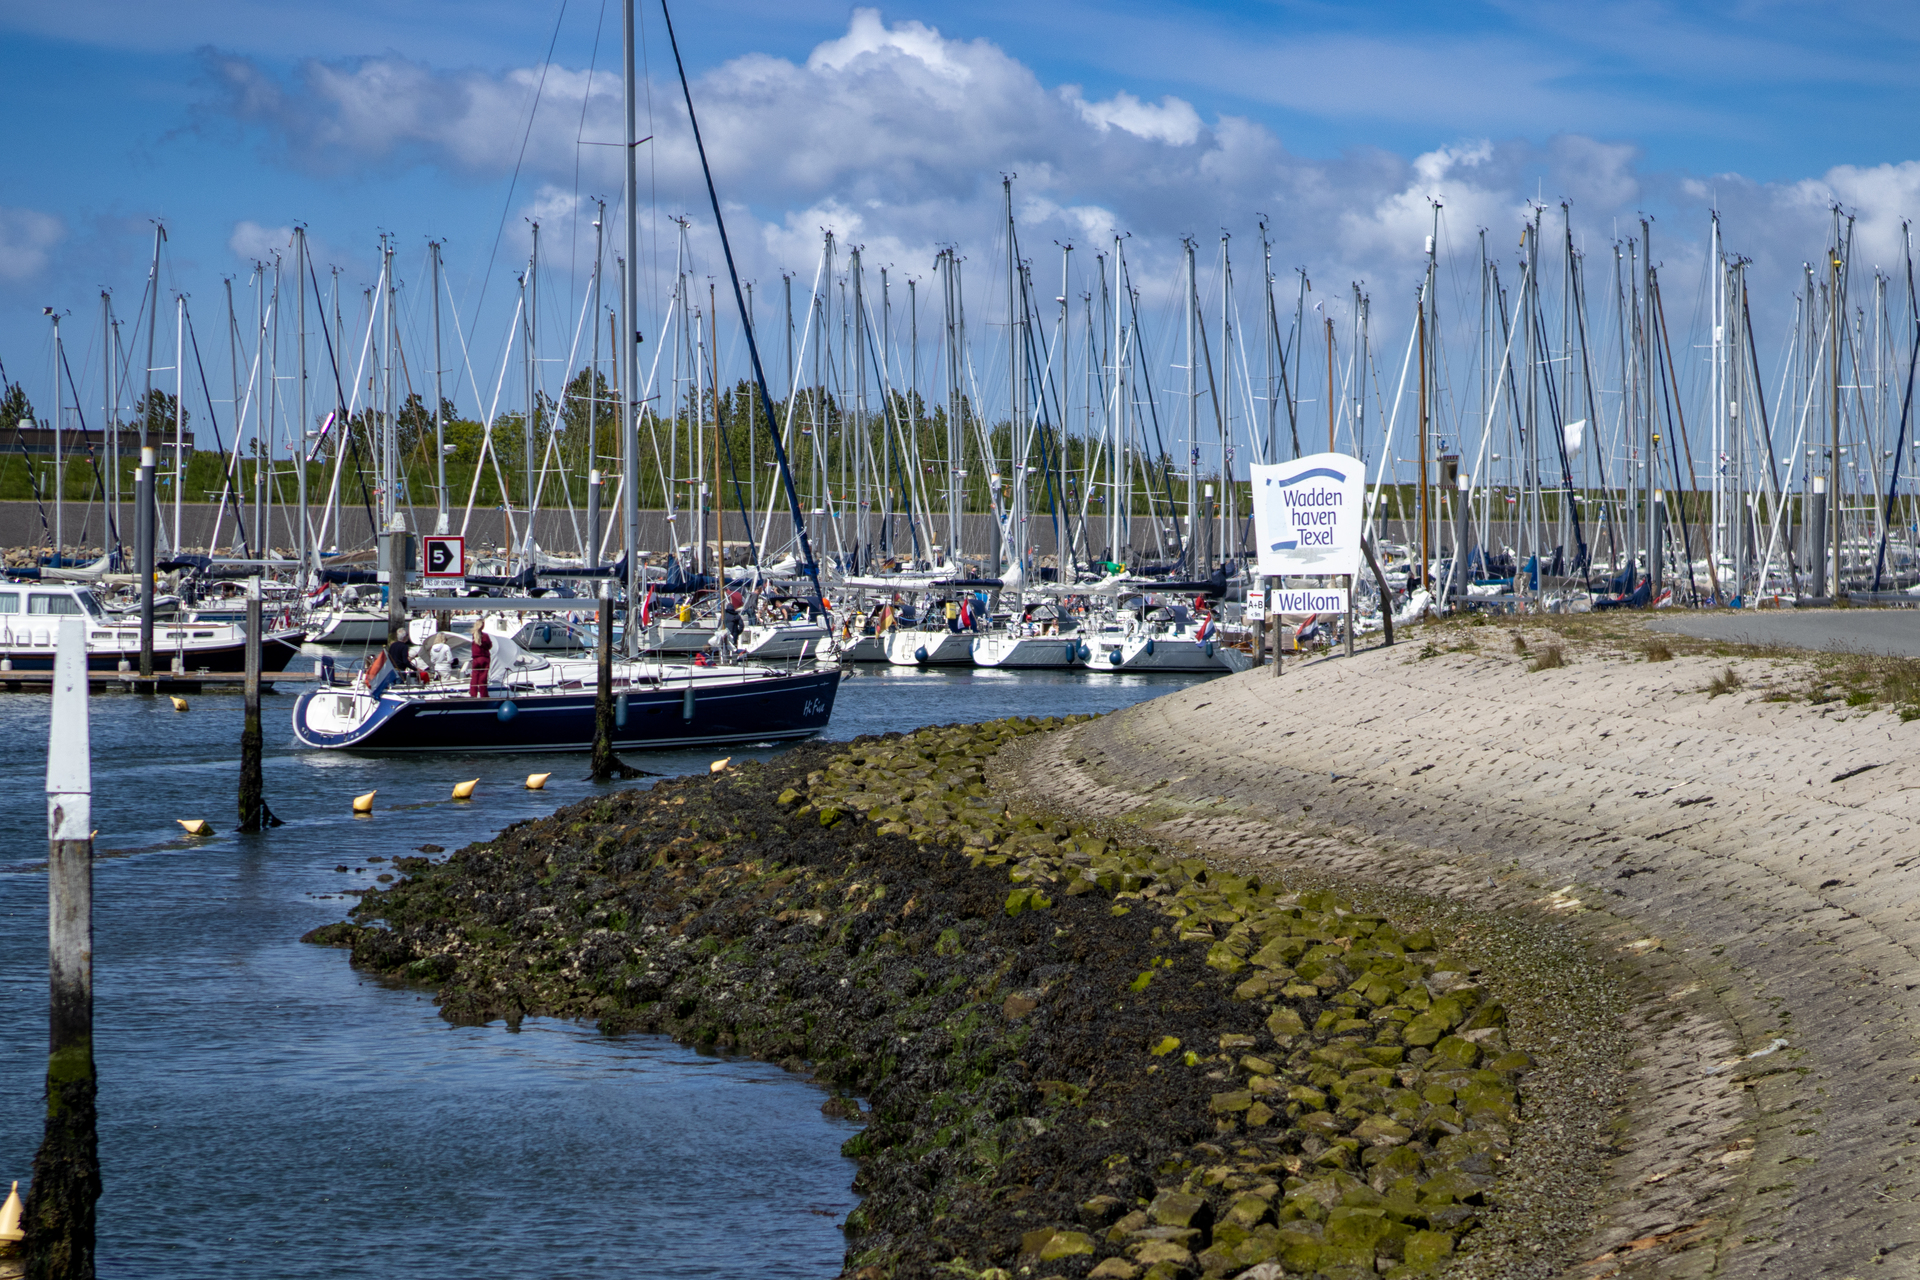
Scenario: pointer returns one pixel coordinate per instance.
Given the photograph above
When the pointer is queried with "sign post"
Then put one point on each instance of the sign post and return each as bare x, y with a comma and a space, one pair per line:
445, 558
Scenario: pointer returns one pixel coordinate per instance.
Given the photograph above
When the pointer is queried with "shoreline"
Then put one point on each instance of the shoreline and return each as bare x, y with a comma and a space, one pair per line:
1732, 830
1084, 1056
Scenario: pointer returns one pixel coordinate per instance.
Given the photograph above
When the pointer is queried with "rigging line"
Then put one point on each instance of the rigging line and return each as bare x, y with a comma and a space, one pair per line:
6, 388
533, 111
333, 362
213, 421
1906, 410
808, 567
573, 221
86, 438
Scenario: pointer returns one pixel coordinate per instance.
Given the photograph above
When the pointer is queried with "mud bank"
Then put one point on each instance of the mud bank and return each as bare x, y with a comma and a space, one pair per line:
1081, 1054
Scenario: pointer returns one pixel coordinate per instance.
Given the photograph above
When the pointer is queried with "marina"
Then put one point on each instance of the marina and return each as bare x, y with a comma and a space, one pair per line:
700, 642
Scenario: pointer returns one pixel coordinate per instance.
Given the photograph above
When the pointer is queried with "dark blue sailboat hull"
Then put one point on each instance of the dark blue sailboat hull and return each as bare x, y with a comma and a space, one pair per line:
785, 708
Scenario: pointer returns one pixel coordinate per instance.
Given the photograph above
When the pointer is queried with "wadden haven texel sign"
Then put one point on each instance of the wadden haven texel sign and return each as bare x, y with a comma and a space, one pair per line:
1307, 516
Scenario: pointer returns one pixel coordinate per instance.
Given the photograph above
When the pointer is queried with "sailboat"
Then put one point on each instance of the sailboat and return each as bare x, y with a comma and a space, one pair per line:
531, 702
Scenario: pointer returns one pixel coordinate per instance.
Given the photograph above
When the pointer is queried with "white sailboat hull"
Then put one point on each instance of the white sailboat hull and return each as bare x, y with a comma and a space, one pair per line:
999, 649
930, 648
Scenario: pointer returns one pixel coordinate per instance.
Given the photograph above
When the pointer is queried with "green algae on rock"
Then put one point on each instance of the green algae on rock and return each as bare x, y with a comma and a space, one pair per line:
1083, 1056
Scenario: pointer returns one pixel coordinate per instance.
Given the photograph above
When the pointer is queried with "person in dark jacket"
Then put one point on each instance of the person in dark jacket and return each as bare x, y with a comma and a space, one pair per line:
397, 657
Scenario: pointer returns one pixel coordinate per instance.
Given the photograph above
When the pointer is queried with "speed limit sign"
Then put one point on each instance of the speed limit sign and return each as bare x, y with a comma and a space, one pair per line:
446, 557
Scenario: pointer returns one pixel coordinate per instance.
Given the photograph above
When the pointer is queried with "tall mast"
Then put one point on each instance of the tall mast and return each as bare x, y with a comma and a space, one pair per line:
153, 327
390, 435
1650, 530
300, 428
1060, 550
532, 333
1192, 300
1223, 397
107, 422
179, 411
1426, 387
59, 454
628, 354
439, 420
593, 377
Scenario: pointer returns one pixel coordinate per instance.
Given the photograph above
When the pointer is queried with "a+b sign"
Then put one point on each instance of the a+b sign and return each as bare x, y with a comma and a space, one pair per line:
446, 557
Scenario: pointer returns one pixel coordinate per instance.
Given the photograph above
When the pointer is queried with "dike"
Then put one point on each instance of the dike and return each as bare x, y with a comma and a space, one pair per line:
1082, 1053
1729, 837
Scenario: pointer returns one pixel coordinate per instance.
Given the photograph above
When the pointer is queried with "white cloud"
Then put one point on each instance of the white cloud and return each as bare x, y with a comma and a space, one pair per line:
251, 242
27, 238
895, 137
868, 36
1173, 121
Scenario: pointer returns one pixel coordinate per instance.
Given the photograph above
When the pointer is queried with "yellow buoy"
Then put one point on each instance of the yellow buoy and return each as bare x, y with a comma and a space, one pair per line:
464, 790
195, 826
10, 1232
179, 703
364, 804
537, 781
719, 766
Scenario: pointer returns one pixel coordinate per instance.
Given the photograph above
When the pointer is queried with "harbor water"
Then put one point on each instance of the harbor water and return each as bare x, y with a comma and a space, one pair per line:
266, 1110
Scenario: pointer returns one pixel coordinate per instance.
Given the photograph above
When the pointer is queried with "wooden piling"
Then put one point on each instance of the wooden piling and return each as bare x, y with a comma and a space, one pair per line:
605, 763
66, 1170
1347, 629
252, 798
143, 556
1380, 580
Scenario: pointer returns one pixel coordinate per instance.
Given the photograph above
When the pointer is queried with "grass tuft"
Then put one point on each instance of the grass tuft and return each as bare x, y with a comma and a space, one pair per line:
1548, 658
1657, 651
1726, 682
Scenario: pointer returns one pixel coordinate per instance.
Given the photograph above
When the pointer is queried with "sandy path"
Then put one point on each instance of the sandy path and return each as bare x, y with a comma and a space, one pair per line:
1895, 631
1755, 866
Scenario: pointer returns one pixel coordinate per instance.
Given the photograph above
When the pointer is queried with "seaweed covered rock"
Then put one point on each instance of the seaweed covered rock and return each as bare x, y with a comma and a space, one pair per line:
1082, 1056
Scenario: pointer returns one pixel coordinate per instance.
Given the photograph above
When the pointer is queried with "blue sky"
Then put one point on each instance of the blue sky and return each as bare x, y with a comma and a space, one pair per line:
232, 120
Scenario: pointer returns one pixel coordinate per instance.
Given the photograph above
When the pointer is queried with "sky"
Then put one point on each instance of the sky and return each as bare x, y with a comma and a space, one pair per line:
1339, 124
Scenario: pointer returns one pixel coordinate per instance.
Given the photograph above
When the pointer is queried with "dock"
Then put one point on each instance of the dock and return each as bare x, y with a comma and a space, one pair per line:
159, 682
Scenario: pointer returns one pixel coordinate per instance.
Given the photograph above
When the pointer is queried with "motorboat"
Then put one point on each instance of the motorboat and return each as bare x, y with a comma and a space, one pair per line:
353, 614
30, 614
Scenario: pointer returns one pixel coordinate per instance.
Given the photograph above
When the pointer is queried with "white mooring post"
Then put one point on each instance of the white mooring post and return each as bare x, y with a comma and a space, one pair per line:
66, 1170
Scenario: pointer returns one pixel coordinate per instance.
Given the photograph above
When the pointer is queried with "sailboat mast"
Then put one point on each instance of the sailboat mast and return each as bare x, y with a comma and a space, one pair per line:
628, 353
299, 451
390, 429
107, 422
179, 411
531, 290
59, 455
1192, 299
439, 418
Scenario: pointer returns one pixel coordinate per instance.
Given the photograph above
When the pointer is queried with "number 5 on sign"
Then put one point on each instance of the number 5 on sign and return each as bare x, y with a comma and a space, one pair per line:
446, 557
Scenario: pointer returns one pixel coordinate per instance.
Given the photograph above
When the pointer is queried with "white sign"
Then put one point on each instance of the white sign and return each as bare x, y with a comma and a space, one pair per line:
445, 557
1303, 600
1307, 515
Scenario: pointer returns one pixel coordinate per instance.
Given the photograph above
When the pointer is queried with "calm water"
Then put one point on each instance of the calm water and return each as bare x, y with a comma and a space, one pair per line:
267, 1111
